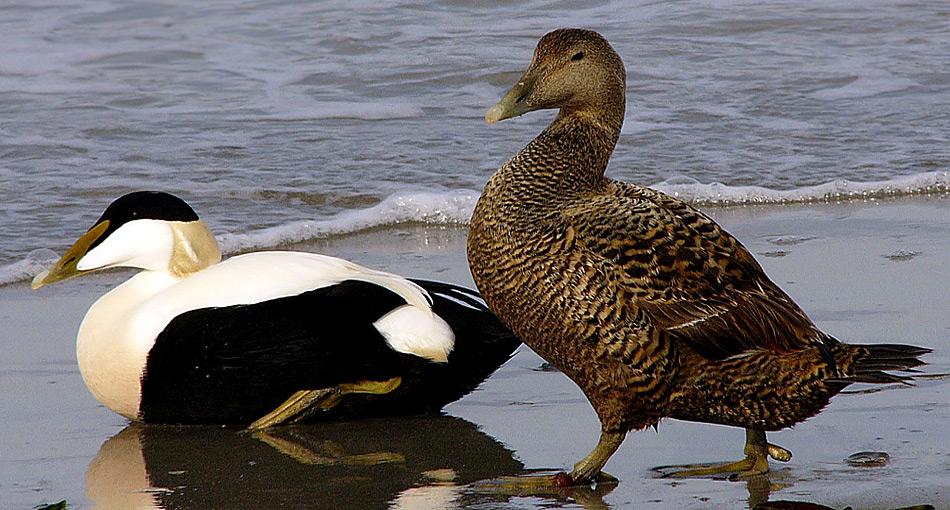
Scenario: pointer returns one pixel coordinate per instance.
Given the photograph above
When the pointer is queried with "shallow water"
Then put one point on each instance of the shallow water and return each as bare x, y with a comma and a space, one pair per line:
837, 262
353, 114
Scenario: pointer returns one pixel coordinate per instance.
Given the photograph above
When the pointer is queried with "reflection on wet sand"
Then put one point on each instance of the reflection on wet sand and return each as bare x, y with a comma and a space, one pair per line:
535, 483
386, 463
397, 463
804, 505
761, 487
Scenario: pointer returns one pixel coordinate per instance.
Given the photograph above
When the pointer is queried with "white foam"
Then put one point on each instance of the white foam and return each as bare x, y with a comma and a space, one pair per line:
455, 208
24, 270
445, 208
837, 190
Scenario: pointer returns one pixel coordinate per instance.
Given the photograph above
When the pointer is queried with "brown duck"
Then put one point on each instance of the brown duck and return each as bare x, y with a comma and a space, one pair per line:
642, 300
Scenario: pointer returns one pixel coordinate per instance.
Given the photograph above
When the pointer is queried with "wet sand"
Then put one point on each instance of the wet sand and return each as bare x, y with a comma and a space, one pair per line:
865, 271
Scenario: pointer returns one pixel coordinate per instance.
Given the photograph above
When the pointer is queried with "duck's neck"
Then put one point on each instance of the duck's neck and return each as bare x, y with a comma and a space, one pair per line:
605, 110
193, 248
571, 154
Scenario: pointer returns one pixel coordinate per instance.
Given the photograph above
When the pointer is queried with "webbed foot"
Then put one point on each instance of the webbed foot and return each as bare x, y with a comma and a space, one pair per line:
738, 470
585, 473
756, 461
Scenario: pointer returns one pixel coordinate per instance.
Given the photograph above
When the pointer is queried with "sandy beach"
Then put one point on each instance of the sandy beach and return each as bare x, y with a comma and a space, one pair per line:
866, 272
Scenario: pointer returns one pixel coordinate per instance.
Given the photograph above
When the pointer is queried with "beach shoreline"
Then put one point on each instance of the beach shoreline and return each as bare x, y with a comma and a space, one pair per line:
872, 271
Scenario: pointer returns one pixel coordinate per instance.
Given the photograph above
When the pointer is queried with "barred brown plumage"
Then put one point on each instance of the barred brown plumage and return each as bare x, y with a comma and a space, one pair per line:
641, 299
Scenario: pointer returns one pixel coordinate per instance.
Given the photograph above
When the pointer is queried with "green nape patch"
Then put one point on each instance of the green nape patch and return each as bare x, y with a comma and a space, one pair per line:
62, 505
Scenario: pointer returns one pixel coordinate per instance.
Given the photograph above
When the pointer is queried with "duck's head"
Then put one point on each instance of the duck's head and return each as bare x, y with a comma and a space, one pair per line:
574, 70
147, 230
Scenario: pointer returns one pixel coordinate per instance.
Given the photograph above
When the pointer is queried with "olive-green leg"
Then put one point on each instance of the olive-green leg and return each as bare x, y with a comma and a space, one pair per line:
590, 467
756, 462
305, 402
585, 472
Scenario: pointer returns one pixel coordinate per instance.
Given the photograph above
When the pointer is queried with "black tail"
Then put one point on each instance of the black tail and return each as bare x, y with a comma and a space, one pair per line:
478, 330
873, 363
482, 342
455, 292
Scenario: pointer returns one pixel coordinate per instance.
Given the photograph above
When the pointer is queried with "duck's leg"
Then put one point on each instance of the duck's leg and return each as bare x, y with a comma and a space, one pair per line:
294, 408
306, 402
757, 451
585, 472
589, 467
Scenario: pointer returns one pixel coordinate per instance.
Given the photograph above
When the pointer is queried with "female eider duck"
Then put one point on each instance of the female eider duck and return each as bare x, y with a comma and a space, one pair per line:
266, 337
643, 301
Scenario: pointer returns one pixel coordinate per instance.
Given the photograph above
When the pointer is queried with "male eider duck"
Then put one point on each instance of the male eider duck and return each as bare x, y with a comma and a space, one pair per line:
268, 337
643, 301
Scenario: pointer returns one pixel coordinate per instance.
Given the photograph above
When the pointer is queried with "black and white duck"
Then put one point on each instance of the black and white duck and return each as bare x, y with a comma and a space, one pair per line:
269, 337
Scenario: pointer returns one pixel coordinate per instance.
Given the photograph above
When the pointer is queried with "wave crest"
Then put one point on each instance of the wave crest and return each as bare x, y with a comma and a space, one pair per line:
445, 208
839, 190
455, 208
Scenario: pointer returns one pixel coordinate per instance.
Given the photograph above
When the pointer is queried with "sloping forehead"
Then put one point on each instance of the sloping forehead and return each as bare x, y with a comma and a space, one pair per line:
147, 205
565, 39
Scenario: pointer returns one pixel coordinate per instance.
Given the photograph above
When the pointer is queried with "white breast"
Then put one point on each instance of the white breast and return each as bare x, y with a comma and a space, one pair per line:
111, 349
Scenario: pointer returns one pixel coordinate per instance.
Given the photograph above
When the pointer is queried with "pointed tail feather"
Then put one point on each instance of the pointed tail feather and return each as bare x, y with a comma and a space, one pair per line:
873, 363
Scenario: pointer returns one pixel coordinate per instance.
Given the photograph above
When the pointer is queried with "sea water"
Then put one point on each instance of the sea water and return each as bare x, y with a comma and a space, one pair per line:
286, 121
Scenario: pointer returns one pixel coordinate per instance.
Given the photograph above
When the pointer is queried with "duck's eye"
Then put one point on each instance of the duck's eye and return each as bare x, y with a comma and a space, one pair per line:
577, 56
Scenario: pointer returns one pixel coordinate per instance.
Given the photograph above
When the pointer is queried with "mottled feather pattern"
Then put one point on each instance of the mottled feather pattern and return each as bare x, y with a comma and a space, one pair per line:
578, 311
641, 299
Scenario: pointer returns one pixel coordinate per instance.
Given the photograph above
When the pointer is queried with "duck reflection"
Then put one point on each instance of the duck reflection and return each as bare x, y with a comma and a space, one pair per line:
393, 463
762, 487
386, 463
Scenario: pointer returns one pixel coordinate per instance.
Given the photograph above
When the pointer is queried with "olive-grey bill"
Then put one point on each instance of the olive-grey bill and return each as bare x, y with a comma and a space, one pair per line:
514, 103
65, 267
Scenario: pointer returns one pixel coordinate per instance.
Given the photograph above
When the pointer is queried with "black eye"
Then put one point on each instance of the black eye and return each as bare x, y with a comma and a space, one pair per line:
577, 56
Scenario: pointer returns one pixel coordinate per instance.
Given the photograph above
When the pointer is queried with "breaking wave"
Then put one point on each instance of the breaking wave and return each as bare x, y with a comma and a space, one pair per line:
455, 208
